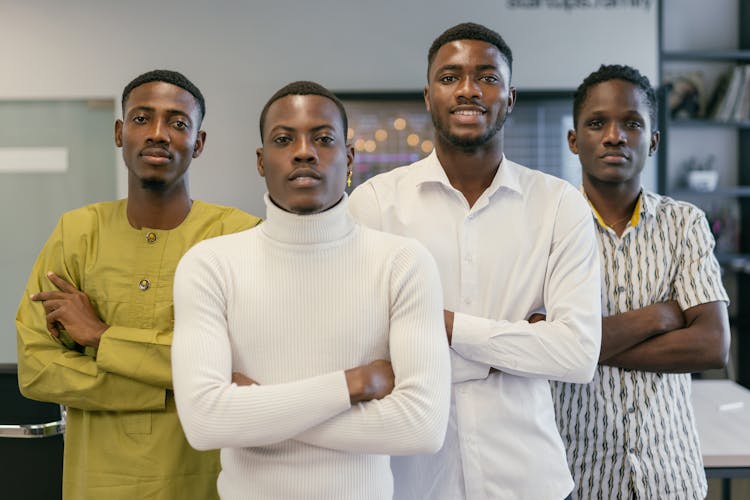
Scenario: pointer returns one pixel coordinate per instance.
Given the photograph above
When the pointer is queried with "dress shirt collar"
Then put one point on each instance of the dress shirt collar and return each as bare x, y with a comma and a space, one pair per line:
430, 170
643, 207
323, 227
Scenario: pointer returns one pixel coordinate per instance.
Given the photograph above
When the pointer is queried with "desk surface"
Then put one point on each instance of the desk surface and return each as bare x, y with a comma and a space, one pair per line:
722, 416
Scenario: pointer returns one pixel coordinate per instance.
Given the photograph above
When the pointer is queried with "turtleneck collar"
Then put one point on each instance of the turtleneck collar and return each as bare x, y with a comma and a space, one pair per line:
323, 227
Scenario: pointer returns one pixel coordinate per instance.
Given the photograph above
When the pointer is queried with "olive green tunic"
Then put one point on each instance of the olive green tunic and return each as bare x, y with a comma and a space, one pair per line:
123, 438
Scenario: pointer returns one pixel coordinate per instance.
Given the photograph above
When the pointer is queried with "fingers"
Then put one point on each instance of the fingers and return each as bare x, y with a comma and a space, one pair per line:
52, 305
241, 379
43, 296
61, 283
536, 317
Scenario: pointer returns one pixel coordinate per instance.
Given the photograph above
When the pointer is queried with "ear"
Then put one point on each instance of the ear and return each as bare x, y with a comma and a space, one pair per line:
200, 143
349, 157
655, 136
427, 98
259, 156
572, 144
511, 99
118, 133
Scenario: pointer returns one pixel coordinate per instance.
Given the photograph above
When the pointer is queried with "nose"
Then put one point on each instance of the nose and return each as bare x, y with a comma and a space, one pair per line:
614, 134
305, 151
469, 88
158, 131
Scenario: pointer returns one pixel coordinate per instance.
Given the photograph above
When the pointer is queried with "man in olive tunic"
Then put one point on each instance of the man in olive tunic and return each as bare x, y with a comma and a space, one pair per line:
95, 324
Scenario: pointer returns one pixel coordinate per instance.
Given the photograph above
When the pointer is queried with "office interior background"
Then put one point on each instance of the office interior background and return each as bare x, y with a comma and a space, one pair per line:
65, 64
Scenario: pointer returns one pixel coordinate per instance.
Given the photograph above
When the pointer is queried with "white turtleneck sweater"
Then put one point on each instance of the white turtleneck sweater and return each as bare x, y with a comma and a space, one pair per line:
292, 304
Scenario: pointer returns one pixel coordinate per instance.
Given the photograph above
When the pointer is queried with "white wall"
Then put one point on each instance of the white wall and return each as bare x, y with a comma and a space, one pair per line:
239, 53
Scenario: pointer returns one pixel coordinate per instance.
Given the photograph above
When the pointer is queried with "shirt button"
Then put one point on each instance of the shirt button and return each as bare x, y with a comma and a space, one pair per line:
631, 410
631, 450
144, 285
151, 237
620, 289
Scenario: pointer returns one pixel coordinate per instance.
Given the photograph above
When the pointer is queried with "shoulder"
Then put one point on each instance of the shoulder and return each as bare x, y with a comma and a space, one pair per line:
548, 192
230, 219
407, 176
84, 219
678, 212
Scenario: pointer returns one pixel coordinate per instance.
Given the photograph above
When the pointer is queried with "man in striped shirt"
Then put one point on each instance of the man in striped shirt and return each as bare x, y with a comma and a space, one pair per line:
630, 433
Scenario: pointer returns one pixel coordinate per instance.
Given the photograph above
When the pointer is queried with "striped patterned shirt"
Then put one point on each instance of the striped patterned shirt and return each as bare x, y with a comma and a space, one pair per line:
630, 433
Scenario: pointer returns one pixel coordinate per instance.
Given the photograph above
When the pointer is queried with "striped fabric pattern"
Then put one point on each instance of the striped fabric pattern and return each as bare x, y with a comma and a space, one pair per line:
630, 434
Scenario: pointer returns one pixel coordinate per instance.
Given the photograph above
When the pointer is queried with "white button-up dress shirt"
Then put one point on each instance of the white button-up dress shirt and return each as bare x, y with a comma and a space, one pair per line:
527, 245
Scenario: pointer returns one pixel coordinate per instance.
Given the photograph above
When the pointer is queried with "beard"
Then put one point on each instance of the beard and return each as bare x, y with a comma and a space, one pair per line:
158, 185
468, 143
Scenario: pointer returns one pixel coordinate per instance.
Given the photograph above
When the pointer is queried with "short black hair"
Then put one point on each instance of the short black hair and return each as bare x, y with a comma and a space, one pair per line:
166, 76
303, 87
607, 72
470, 31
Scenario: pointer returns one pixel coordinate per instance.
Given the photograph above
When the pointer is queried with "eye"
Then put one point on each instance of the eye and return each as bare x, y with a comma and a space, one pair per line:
181, 125
594, 123
326, 139
139, 119
490, 79
634, 125
447, 79
282, 140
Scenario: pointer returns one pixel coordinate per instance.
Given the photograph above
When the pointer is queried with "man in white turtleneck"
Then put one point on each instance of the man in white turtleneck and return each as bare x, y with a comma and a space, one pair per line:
310, 348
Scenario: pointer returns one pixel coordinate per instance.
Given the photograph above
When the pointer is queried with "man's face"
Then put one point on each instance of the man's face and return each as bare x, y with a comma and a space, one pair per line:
159, 134
613, 136
468, 93
304, 157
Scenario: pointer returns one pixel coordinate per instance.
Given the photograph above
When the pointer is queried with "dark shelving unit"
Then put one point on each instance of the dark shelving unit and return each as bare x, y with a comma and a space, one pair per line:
739, 262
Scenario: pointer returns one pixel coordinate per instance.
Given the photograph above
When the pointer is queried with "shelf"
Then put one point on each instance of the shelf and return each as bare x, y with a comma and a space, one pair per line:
737, 262
727, 192
707, 55
707, 122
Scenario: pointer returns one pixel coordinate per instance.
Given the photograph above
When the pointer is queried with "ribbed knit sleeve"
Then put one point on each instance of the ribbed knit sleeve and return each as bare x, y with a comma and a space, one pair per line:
214, 412
413, 418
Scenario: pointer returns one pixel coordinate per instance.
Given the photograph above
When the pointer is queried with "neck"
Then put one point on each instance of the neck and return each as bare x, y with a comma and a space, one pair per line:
615, 202
157, 209
470, 170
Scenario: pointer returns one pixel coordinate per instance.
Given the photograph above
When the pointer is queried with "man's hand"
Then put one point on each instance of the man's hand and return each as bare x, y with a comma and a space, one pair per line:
69, 309
448, 318
241, 379
372, 381
536, 317
666, 316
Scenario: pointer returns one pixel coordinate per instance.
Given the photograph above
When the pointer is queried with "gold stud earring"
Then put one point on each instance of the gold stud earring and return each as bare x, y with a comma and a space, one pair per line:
349, 179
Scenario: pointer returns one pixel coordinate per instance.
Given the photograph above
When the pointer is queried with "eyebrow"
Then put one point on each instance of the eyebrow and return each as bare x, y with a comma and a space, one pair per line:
317, 128
152, 109
480, 67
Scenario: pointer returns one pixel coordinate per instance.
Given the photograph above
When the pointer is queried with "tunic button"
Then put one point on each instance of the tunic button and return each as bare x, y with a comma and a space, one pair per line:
151, 237
144, 285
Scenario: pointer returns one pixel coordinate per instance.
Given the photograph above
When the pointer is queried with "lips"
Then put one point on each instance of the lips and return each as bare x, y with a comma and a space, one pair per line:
614, 157
156, 156
468, 114
304, 177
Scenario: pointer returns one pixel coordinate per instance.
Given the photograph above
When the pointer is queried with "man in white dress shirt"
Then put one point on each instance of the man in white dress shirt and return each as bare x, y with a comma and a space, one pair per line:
518, 261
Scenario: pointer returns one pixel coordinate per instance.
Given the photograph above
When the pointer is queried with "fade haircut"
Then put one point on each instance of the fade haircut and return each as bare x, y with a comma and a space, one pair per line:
609, 72
304, 88
470, 31
166, 76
